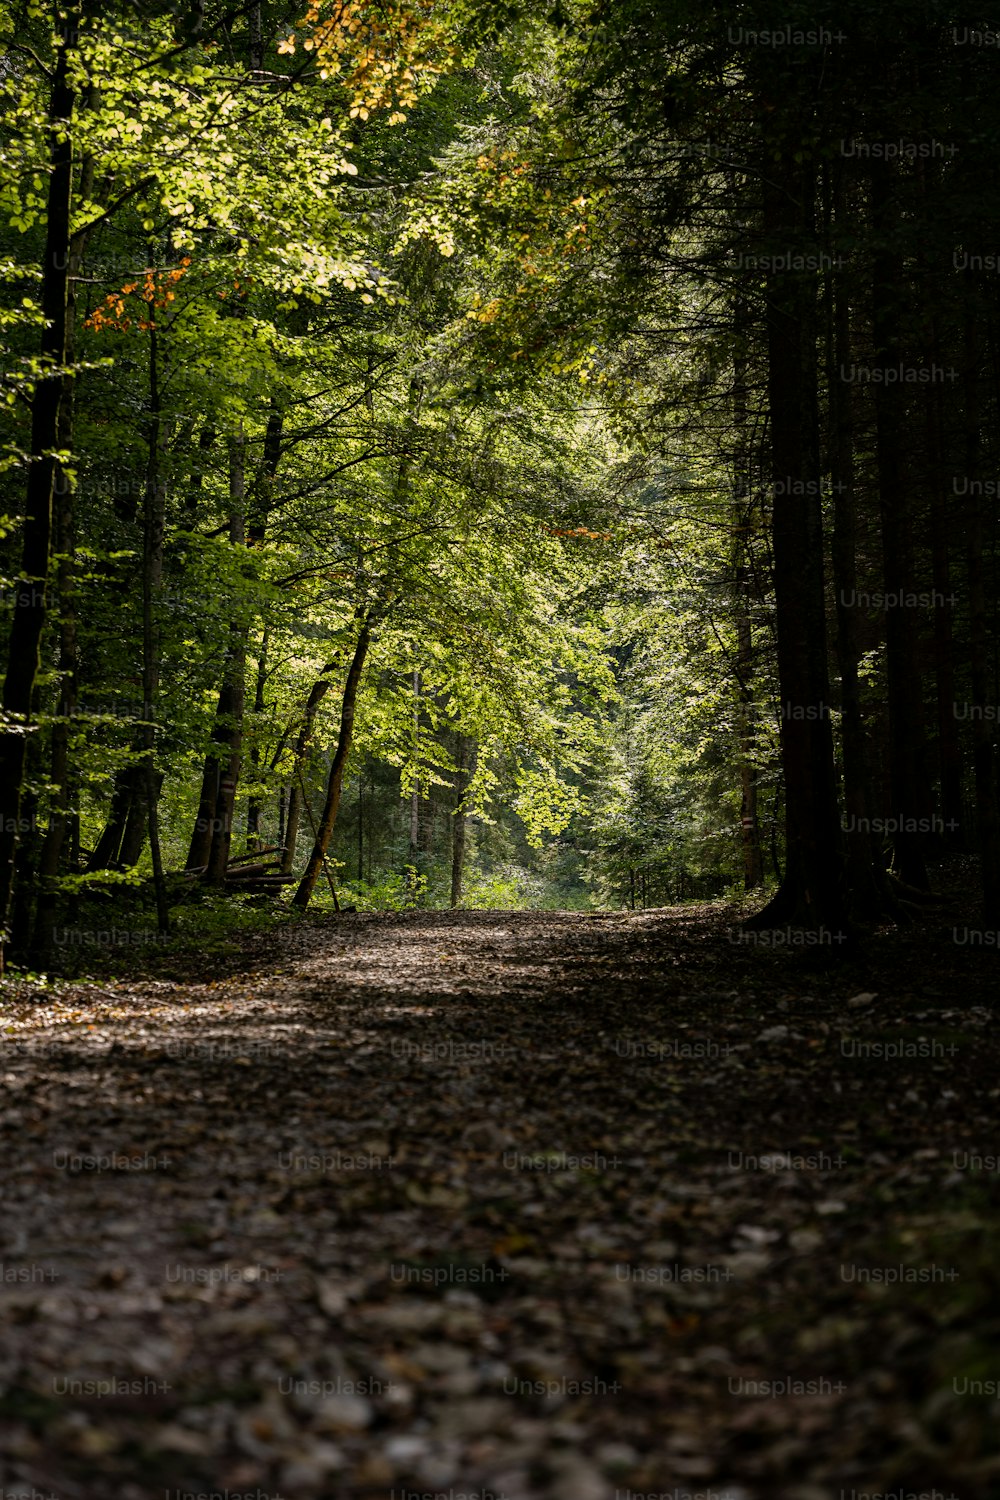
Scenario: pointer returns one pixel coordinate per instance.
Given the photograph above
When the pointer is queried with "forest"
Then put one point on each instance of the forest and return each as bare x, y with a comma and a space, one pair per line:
447, 462
483, 478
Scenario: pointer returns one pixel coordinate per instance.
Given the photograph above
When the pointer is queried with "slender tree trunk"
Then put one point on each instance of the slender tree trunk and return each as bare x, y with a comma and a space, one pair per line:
983, 731
255, 806
910, 794
361, 824
459, 827
331, 808
949, 746
753, 857
415, 794
293, 815
262, 499
942, 521
200, 846
154, 527
218, 787
866, 880
222, 826
811, 891
59, 828
46, 408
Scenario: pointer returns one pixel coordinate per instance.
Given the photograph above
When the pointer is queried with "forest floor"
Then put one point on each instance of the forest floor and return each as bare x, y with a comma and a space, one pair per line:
524, 1205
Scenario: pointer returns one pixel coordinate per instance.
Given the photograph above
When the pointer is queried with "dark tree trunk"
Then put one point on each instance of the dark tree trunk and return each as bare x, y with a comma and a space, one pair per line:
361, 824
154, 526
107, 851
293, 813
201, 835
983, 731
232, 729
910, 792
331, 808
213, 822
53, 852
942, 521
46, 409
255, 806
811, 892
868, 895
753, 857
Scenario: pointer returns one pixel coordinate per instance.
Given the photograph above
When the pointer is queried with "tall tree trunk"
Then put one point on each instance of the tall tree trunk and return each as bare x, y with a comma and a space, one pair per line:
293, 813
331, 808
415, 794
865, 878
154, 526
983, 730
753, 857
200, 846
46, 408
811, 891
255, 805
216, 791
910, 792
232, 743
463, 780
64, 495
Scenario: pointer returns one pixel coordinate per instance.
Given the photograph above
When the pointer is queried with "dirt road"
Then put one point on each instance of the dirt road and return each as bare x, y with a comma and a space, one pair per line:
537, 1206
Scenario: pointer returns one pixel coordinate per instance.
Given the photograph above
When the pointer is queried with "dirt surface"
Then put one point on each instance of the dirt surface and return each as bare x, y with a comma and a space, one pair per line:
525, 1205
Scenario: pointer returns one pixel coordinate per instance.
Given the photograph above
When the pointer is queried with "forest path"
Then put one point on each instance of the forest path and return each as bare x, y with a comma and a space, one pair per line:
491, 1203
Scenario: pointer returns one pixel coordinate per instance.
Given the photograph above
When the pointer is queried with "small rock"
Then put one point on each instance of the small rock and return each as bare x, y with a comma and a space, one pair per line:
311, 1469
343, 1413
576, 1480
613, 1456
405, 1448
474, 1418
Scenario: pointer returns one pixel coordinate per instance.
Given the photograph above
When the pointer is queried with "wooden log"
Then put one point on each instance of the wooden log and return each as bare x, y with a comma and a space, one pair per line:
255, 854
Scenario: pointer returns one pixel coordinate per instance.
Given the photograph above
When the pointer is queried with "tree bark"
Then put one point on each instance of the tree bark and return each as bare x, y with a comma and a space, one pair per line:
255, 804
154, 527
52, 854
910, 793
810, 894
232, 729
331, 808
983, 731
753, 857
868, 895
293, 812
218, 788
46, 409
463, 780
